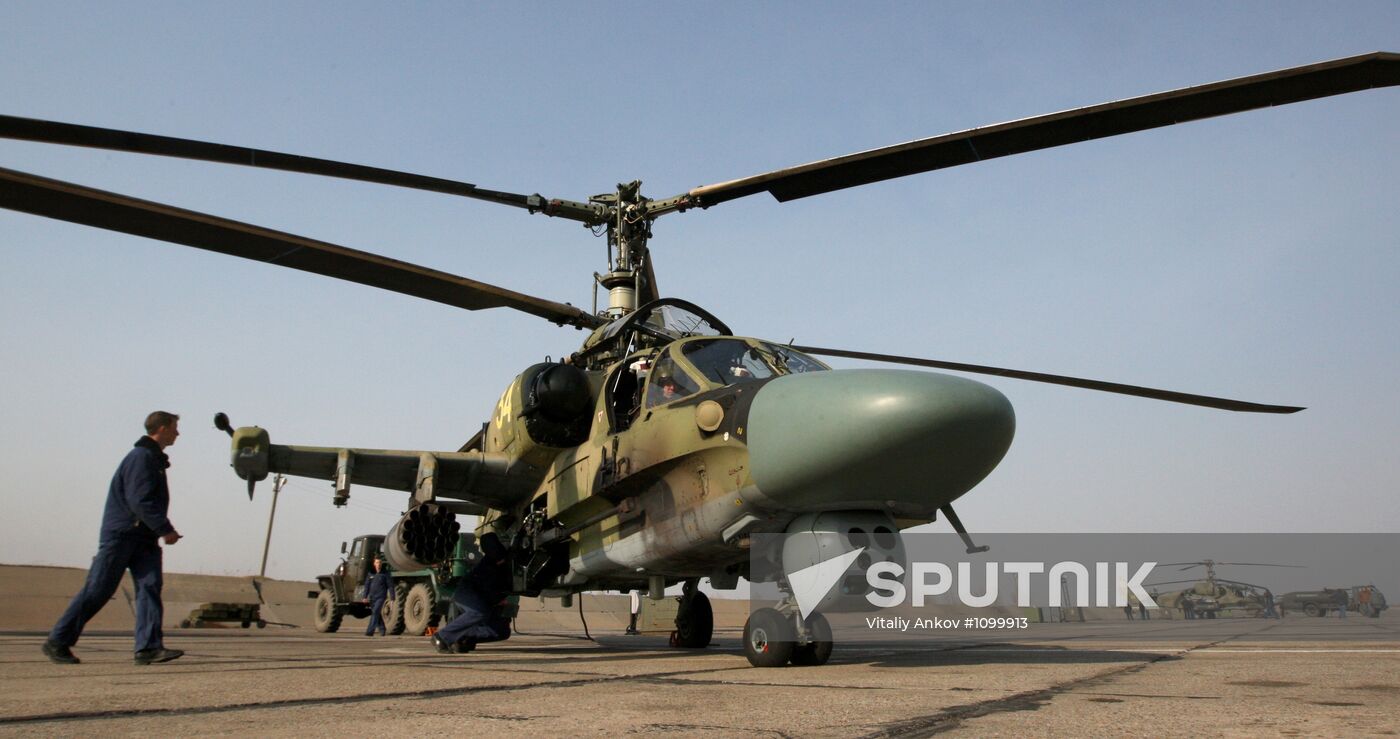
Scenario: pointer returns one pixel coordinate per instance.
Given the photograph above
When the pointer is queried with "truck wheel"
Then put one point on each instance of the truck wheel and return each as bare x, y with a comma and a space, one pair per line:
1311, 609
328, 614
418, 609
393, 610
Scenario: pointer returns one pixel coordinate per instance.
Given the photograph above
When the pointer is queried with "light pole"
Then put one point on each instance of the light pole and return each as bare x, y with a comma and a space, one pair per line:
277, 483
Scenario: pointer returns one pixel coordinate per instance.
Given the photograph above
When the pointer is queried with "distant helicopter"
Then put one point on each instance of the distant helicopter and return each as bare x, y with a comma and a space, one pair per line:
652, 454
1215, 595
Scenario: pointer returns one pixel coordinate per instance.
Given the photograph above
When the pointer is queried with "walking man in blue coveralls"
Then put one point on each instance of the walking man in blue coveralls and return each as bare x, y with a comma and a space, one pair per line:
133, 525
479, 598
379, 588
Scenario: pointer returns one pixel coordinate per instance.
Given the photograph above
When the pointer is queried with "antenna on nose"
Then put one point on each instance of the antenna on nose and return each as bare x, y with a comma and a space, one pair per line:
952, 517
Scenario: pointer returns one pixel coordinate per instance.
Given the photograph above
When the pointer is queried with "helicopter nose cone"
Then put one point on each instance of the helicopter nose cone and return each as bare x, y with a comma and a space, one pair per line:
846, 439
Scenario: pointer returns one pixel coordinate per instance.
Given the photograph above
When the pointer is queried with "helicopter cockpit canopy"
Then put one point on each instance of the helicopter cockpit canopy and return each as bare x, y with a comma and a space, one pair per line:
653, 325
696, 364
667, 319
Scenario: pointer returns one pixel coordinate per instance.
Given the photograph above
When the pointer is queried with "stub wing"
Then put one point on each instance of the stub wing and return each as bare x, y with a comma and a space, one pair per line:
481, 480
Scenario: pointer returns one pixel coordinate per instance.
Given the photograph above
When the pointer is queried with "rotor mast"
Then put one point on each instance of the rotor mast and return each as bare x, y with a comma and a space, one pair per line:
627, 215
628, 230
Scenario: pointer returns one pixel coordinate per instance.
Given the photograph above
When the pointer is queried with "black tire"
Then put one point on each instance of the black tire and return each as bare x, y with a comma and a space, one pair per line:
816, 652
185, 624
245, 624
768, 638
262, 624
419, 610
695, 624
393, 610
1311, 609
328, 615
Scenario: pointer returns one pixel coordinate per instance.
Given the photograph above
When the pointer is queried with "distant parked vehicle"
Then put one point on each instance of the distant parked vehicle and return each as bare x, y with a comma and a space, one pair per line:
1367, 600
420, 599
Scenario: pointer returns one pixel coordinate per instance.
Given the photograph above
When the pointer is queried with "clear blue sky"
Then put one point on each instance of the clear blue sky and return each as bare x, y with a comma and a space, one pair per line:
1253, 256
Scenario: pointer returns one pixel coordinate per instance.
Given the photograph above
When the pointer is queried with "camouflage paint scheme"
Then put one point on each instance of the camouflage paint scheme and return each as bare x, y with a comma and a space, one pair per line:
676, 487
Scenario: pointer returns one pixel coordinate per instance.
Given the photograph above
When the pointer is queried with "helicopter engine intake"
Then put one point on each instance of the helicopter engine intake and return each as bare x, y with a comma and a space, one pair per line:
558, 404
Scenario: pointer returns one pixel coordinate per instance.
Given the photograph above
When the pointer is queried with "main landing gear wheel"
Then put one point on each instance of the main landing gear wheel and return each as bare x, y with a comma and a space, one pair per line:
769, 638
816, 652
695, 620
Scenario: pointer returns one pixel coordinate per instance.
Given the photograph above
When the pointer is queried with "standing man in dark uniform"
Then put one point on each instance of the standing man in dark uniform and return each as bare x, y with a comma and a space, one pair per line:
479, 597
133, 525
379, 588
635, 606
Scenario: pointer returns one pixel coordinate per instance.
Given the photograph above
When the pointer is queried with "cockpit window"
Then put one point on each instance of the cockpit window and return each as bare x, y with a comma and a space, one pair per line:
727, 361
668, 382
680, 322
790, 361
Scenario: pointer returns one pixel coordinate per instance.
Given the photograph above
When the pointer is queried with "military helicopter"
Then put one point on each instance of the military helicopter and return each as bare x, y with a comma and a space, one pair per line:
1215, 595
655, 452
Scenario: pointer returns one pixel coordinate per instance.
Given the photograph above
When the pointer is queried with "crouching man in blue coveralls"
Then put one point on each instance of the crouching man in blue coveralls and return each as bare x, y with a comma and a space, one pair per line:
479, 598
133, 525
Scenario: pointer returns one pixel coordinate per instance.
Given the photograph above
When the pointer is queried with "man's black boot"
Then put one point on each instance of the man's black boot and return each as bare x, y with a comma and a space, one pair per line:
155, 656
59, 654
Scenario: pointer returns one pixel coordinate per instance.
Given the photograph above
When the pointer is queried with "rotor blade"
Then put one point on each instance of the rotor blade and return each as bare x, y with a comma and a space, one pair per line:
1108, 387
1336, 77
1240, 582
649, 290
1174, 564
70, 134
83, 205
1263, 564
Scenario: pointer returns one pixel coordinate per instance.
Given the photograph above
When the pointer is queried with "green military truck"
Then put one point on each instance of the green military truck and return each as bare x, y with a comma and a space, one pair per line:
1364, 599
421, 597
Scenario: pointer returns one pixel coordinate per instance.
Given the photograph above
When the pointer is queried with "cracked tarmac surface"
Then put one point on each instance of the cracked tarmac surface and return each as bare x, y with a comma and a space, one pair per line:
1225, 677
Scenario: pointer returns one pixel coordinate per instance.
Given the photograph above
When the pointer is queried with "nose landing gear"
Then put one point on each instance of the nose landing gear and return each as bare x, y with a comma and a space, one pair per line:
774, 637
